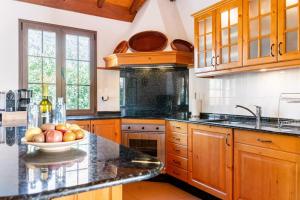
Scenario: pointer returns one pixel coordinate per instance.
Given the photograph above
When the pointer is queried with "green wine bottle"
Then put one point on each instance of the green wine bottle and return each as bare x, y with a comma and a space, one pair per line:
45, 107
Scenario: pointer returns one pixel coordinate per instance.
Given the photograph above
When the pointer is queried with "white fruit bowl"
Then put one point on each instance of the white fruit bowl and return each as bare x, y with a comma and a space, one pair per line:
53, 147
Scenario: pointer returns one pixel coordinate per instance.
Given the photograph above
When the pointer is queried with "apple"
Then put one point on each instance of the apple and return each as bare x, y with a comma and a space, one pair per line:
69, 136
61, 127
79, 134
54, 136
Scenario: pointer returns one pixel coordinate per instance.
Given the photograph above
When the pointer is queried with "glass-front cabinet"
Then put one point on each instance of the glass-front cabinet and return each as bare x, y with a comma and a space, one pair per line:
288, 30
205, 42
260, 34
229, 36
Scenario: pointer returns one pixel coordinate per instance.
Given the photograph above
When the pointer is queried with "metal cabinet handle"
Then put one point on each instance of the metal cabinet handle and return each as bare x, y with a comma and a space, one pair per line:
279, 48
218, 60
272, 46
177, 150
212, 61
263, 140
226, 140
175, 138
178, 127
176, 162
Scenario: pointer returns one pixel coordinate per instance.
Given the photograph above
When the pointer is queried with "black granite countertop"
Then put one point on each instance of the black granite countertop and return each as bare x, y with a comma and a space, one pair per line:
27, 173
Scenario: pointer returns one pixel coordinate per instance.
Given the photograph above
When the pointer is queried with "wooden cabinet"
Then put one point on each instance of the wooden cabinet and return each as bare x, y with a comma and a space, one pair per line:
218, 37
177, 163
288, 30
260, 31
109, 128
111, 193
211, 159
266, 166
84, 124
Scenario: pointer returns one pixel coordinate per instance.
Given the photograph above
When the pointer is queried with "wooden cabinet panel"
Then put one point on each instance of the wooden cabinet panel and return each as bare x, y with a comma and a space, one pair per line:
175, 126
265, 174
84, 124
111, 193
179, 173
177, 138
211, 160
229, 35
177, 161
288, 30
176, 149
109, 129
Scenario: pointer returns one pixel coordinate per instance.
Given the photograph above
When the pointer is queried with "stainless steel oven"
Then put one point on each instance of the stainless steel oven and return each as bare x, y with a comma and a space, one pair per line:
147, 138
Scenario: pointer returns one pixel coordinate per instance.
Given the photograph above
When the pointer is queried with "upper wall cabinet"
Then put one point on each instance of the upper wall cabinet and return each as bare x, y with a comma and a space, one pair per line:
260, 34
288, 30
218, 37
247, 35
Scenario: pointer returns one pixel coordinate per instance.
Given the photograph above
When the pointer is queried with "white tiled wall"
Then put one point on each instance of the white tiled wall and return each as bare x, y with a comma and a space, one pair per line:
221, 94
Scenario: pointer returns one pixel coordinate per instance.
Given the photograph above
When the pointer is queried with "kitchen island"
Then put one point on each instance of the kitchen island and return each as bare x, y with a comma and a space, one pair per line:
94, 168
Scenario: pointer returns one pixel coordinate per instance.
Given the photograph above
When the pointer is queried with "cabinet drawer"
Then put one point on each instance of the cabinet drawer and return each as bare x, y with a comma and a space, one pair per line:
267, 140
176, 149
179, 127
177, 161
177, 138
177, 172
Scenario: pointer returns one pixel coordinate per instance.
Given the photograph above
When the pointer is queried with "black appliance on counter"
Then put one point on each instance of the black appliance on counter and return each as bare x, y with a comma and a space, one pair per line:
154, 92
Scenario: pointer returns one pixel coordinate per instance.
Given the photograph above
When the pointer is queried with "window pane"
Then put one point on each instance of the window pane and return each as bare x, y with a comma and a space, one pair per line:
291, 41
84, 97
52, 93
265, 6
84, 73
72, 97
234, 17
208, 58
49, 70
201, 43
224, 19
71, 72
34, 42
254, 49
234, 56
292, 17
36, 92
225, 36
208, 24
225, 55
209, 41
34, 69
72, 47
266, 25
265, 47
201, 27
49, 44
291, 2
253, 28
253, 8
201, 59
234, 34
84, 48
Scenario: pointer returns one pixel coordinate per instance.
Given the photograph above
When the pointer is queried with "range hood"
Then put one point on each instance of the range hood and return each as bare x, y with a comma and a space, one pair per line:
149, 59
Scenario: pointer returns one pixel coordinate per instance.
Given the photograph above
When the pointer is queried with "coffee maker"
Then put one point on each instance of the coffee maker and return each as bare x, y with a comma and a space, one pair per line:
24, 97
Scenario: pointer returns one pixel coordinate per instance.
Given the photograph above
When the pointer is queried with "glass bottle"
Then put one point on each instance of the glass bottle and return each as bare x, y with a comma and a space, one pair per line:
45, 107
60, 111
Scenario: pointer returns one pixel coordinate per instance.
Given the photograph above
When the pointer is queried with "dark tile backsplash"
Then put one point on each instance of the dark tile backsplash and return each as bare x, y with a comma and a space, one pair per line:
154, 92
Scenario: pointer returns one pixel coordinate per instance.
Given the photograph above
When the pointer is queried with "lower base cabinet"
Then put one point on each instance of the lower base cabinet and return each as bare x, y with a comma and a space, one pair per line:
112, 193
267, 166
84, 124
108, 128
210, 160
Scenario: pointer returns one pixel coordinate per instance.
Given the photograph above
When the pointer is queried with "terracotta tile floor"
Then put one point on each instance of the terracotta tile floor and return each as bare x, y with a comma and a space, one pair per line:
154, 191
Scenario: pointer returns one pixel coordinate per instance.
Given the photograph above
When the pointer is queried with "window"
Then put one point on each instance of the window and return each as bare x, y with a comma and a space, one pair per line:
64, 59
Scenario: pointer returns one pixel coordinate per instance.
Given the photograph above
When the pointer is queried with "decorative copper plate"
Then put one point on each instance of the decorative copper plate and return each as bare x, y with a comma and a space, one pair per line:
122, 47
148, 41
182, 45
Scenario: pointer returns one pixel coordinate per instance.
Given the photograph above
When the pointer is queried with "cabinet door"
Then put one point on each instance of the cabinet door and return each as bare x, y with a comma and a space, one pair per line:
205, 43
260, 31
84, 124
229, 36
109, 129
211, 162
288, 29
265, 174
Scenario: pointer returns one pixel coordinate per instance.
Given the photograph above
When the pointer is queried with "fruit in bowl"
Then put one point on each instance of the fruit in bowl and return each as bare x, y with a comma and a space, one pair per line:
51, 133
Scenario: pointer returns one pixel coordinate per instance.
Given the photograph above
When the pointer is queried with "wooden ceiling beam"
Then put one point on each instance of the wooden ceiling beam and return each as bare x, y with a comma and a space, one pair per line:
100, 3
135, 6
90, 7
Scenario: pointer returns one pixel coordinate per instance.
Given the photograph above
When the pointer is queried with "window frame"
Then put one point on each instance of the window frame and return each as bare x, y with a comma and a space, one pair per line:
61, 32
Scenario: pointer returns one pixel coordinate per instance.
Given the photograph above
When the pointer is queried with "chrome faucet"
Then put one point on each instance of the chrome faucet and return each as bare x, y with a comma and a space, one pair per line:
257, 115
